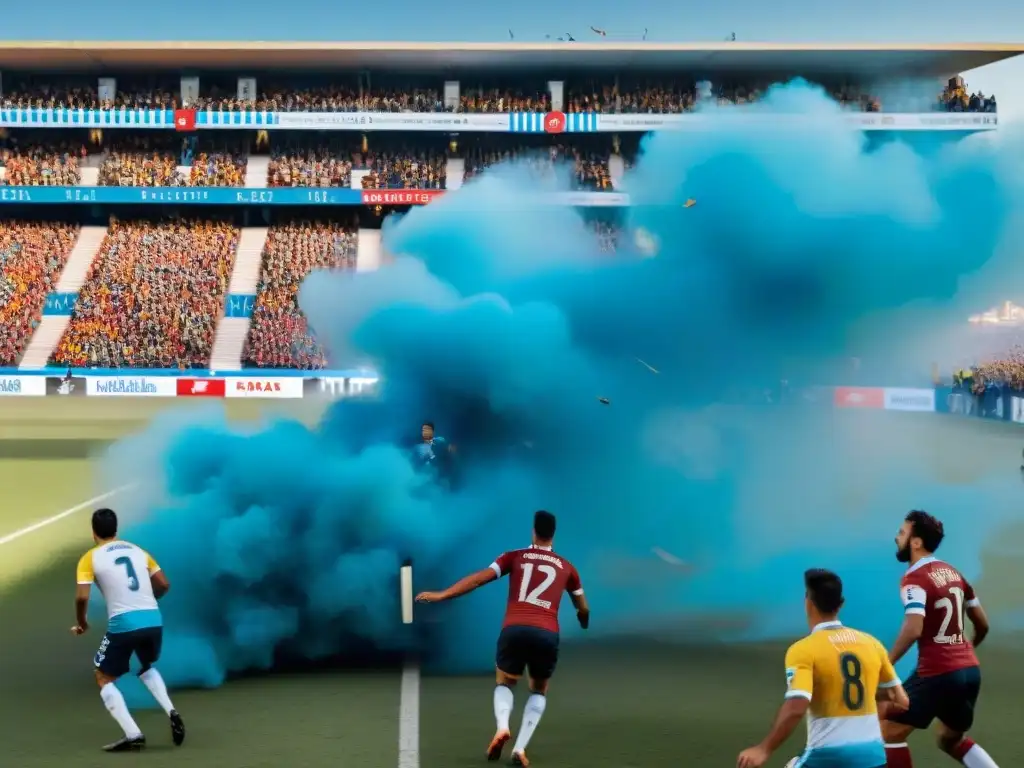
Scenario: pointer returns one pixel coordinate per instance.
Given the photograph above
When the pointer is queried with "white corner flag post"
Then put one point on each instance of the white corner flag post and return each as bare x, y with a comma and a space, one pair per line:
407, 596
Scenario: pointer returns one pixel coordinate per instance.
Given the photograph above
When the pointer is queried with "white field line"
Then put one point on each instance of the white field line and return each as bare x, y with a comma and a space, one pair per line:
60, 516
409, 718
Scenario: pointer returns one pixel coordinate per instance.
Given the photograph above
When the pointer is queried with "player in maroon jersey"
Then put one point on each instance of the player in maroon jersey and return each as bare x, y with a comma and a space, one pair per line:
944, 687
529, 635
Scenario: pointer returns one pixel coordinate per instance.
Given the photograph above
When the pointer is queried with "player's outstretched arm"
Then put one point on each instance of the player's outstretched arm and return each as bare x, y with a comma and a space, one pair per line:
979, 620
579, 602
789, 716
461, 587
161, 586
81, 609
910, 632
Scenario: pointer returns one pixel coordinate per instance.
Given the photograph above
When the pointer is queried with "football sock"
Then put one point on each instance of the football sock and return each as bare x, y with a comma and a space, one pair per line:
973, 756
531, 718
898, 756
155, 682
114, 702
504, 700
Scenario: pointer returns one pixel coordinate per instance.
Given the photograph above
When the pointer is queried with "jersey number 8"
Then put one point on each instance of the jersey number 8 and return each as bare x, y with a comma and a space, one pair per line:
533, 597
129, 571
853, 686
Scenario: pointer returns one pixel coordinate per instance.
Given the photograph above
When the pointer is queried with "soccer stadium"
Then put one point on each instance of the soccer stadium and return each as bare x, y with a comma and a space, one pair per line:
636, 284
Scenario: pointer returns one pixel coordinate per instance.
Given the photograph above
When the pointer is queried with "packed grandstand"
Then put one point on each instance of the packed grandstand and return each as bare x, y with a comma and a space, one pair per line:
114, 286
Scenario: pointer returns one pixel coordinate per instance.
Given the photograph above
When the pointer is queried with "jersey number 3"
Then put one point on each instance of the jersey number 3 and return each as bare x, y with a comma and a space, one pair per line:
129, 571
533, 597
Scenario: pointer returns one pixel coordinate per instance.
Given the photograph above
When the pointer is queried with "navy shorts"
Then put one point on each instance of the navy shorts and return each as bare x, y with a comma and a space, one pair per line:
949, 698
527, 648
114, 656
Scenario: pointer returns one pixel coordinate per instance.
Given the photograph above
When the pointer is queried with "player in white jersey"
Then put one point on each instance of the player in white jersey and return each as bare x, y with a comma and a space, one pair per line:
131, 583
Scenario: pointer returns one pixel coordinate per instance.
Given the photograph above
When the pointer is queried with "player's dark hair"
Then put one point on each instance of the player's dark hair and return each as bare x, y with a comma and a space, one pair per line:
824, 590
428, 424
104, 523
926, 528
544, 525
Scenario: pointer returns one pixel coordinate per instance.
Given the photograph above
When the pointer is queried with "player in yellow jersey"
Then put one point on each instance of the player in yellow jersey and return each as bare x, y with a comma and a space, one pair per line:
834, 677
131, 583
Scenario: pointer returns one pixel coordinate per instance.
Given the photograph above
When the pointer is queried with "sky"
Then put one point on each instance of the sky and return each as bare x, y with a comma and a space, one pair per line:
938, 21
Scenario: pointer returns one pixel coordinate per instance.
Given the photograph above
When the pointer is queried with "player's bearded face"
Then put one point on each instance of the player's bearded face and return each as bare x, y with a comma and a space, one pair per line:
903, 549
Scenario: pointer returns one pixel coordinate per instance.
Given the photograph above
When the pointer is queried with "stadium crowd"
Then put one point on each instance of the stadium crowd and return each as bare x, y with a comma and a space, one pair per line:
319, 164
32, 257
279, 336
154, 295
403, 167
668, 98
589, 164
147, 160
52, 164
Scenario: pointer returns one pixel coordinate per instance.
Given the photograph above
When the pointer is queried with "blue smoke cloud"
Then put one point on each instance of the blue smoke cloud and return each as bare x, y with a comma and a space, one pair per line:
685, 504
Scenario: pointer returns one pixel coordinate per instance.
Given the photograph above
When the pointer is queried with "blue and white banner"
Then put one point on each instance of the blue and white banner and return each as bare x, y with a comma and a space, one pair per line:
458, 122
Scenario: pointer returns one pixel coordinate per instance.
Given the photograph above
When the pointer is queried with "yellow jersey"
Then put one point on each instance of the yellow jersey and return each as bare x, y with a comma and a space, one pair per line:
122, 571
839, 670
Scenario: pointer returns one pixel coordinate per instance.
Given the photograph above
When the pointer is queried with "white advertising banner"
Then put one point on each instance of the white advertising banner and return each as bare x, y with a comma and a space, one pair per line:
131, 386
898, 399
22, 386
265, 387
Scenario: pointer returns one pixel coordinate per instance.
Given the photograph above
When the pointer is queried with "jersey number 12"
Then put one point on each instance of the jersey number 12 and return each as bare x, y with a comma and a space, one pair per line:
533, 597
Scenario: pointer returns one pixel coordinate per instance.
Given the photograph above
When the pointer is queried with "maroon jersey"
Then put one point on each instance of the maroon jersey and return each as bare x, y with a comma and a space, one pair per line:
940, 593
537, 578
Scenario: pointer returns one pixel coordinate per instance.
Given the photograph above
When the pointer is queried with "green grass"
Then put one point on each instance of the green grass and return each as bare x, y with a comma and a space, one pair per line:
636, 705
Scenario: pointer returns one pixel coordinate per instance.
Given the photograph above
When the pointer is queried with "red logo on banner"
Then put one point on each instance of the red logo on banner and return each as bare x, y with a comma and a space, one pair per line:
859, 397
400, 196
184, 119
201, 388
554, 122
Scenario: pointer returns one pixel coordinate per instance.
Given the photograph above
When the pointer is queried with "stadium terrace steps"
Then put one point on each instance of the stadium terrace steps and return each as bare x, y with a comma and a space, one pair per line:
90, 177
229, 343
82, 255
256, 171
45, 339
245, 277
248, 261
456, 172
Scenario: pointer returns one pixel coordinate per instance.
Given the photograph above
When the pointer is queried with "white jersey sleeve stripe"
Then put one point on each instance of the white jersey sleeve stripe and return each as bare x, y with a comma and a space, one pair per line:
496, 568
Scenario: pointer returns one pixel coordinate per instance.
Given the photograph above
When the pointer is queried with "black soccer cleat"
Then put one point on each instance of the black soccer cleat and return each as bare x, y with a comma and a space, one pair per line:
177, 728
126, 744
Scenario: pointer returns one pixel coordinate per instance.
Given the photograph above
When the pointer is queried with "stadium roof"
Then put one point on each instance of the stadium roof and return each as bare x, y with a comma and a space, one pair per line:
859, 59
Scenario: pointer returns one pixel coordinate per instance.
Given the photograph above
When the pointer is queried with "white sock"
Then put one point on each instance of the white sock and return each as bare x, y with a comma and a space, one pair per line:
155, 682
504, 700
119, 710
531, 719
977, 757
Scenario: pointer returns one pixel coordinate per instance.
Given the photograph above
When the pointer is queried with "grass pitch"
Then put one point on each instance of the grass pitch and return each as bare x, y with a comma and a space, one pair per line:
637, 705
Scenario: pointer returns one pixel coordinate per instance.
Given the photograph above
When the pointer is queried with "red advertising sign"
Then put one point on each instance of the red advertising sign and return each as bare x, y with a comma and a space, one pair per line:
554, 122
859, 397
201, 388
184, 119
400, 196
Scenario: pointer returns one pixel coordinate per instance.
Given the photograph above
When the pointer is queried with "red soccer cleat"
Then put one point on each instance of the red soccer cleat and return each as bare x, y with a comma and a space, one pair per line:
497, 744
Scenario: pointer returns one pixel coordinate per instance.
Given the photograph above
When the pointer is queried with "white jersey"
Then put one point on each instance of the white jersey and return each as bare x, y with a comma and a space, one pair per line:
121, 570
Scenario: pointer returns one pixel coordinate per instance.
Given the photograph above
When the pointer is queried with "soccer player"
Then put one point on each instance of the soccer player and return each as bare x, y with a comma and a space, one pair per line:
529, 635
134, 624
833, 677
944, 687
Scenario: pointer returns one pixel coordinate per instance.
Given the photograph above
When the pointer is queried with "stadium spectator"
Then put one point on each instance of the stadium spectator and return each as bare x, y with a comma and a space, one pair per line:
326, 164
149, 160
81, 93
32, 257
279, 336
333, 97
50, 164
503, 100
589, 162
956, 98
153, 297
402, 166
219, 165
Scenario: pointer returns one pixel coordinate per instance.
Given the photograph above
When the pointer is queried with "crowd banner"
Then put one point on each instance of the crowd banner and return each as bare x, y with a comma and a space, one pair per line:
902, 399
460, 122
175, 196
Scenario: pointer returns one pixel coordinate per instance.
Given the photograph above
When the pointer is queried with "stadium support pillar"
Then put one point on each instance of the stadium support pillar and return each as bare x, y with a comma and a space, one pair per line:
106, 89
556, 88
189, 91
452, 94
369, 250
246, 89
